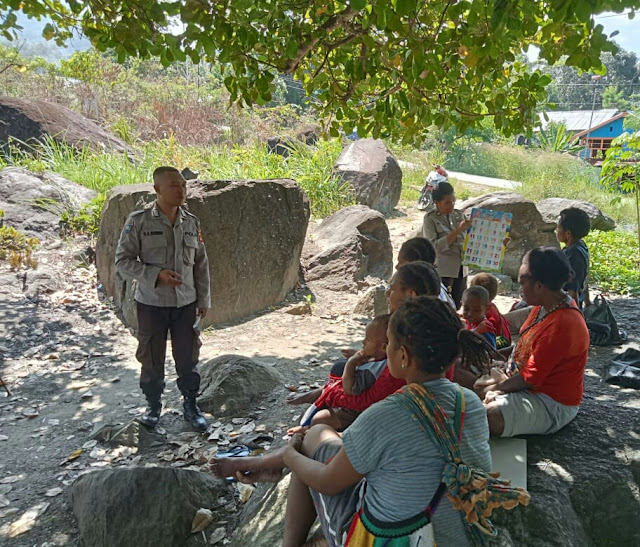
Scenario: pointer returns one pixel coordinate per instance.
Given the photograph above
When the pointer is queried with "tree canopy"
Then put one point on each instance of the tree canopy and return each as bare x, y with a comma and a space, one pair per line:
383, 67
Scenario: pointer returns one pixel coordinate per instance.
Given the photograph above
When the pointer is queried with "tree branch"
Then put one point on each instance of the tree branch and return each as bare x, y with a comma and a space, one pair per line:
334, 22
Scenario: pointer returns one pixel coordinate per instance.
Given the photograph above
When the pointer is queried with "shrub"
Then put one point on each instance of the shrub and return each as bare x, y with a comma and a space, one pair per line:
17, 248
614, 261
85, 221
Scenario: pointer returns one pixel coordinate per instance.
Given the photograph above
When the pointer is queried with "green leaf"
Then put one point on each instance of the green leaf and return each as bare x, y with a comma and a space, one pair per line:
404, 7
292, 49
48, 32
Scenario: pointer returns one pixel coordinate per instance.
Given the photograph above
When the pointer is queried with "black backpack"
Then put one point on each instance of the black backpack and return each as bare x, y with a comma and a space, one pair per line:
623, 371
602, 325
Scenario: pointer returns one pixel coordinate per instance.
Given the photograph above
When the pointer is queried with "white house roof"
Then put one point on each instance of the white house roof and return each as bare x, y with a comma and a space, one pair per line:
578, 120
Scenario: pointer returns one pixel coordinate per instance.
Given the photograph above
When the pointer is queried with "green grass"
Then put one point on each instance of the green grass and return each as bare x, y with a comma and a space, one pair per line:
310, 167
615, 263
543, 175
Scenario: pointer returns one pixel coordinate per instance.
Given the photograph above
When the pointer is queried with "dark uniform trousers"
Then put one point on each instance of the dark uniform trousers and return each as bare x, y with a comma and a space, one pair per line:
456, 286
153, 325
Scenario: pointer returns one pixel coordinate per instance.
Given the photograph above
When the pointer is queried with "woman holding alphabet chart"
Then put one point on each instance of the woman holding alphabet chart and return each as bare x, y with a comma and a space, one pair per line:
445, 226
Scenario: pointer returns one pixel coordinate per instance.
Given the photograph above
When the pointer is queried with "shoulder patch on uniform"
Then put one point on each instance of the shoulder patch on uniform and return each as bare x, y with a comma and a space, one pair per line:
130, 221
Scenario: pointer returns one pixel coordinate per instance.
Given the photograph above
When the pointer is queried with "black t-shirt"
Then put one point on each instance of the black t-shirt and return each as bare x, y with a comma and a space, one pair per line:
578, 255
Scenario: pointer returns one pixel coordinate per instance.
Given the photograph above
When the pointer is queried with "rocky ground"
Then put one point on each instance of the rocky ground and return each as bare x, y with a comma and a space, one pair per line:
70, 367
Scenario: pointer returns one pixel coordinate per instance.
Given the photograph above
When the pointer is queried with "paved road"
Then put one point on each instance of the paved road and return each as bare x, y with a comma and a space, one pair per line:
473, 179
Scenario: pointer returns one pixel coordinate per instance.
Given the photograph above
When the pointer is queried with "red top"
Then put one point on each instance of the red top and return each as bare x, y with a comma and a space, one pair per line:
334, 396
499, 323
552, 355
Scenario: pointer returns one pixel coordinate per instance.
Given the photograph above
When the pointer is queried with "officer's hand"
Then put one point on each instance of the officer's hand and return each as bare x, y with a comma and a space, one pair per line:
202, 312
170, 278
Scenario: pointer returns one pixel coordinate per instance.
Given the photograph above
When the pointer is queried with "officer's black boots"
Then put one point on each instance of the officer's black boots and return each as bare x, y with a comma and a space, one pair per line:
152, 414
193, 415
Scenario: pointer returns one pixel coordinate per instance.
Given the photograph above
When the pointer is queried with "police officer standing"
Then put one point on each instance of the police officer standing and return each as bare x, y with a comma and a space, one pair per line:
161, 247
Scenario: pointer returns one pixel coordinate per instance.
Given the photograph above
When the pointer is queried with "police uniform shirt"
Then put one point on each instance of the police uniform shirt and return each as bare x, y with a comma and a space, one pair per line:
435, 228
149, 243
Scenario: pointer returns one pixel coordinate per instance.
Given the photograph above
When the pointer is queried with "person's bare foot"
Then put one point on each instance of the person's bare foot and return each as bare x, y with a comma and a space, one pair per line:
266, 475
304, 398
228, 467
297, 429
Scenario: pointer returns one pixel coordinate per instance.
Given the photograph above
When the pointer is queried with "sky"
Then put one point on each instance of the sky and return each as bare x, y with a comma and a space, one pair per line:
629, 37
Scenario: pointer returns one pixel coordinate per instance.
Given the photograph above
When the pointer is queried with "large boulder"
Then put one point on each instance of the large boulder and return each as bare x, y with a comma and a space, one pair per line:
372, 172
28, 121
528, 228
254, 232
373, 302
347, 247
34, 202
144, 506
550, 210
232, 384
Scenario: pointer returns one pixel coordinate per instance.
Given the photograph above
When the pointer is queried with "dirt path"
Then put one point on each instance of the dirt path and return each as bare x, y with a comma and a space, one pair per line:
71, 368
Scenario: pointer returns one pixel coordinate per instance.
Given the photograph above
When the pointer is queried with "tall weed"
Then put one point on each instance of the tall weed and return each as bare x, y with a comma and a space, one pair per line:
311, 167
542, 174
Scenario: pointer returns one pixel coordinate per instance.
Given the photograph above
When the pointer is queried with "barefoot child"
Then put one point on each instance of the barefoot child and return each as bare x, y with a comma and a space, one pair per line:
409, 281
475, 303
494, 317
361, 371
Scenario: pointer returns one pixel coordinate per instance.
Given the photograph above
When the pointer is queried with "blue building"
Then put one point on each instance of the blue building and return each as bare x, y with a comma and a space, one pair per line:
594, 131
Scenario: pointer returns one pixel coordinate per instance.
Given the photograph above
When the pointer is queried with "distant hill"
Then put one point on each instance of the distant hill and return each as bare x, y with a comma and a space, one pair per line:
31, 42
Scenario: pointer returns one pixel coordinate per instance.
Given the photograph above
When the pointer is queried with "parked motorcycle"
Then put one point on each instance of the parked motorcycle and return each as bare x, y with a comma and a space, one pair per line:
433, 180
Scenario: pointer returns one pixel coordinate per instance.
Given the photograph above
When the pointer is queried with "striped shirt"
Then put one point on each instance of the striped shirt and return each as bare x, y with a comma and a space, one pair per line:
403, 466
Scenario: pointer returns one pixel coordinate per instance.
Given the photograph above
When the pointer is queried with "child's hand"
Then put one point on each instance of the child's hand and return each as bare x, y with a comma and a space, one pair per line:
359, 357
491, 396
348, 352
482, 327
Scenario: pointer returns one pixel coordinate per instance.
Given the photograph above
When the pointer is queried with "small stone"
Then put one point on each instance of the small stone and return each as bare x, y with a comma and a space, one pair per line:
217, 536
302, 308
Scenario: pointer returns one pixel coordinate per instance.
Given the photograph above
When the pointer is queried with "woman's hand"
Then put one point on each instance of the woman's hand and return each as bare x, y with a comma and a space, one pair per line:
463, 226
295, 442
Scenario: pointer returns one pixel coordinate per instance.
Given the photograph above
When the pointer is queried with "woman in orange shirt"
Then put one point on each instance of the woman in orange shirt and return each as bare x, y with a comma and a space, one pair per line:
546, 369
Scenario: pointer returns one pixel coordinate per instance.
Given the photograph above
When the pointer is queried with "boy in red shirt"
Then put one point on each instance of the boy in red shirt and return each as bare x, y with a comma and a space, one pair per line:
494, 317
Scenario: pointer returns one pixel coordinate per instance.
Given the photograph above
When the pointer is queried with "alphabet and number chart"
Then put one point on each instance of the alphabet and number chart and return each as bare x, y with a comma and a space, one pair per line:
484, 242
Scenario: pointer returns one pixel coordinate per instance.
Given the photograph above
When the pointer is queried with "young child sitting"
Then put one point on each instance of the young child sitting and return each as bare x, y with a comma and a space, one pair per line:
420, 248
362, 370
573, 225
410, 281
494, 317
475, 303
